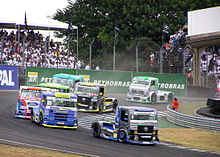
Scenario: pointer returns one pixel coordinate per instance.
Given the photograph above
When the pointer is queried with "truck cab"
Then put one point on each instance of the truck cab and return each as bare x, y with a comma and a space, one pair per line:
56, 110
28, 97
145, 89
92, 98
63, 82
131, 124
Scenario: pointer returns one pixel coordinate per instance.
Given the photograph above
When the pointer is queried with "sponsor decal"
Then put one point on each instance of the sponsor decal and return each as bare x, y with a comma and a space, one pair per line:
171, 86
46, 79
113, 83
86, 78
8, 77
33, 78
62, 95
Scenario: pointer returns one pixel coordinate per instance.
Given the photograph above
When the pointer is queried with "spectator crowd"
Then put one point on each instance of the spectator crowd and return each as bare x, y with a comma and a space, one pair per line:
33, 50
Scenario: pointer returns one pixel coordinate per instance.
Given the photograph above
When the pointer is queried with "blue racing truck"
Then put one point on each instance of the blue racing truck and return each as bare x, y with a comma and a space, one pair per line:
56, 110
132, 124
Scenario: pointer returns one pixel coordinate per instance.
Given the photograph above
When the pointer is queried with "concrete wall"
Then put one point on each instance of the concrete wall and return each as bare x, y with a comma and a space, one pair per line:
204, 21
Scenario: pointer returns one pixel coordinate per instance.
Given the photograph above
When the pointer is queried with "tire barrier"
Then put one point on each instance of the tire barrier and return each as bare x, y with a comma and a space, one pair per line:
192, 121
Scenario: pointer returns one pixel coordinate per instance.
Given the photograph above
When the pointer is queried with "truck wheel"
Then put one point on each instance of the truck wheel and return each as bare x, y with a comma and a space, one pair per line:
170, 98
32, 118
115, 104
122, 136
100, 106
96, 130
41, 119
153, 98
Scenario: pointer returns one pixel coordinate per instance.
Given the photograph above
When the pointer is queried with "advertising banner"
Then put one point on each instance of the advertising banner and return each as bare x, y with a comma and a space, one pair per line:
116, 82
8, 77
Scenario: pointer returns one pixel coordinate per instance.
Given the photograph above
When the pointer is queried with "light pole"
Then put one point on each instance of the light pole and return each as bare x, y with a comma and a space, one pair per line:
137, 55
114, 54
90, 53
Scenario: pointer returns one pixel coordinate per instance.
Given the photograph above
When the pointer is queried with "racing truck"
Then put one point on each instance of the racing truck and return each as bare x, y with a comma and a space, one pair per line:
144, 89
132, 124
92, 98
63, 82
28, 97
56, 110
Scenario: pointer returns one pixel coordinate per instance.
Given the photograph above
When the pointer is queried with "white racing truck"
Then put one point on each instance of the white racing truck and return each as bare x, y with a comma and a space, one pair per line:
144, 89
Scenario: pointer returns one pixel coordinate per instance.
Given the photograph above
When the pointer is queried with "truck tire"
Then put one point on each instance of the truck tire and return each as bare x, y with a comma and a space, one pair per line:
115, 104
32, 117
100, 106
153, 98
122, 136
41, 119
170, 98
96, 130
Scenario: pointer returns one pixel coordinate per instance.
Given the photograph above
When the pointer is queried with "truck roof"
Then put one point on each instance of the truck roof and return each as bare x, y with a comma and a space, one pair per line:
34, 88
68, 76
141, 109
145, 78
91, 84
60, 95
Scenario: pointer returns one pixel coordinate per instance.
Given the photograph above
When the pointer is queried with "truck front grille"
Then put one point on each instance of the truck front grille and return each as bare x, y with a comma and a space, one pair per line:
83, 100
145, 129
61, 116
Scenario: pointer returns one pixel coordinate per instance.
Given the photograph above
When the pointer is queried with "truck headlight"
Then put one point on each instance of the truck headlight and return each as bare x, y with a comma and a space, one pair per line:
94, 99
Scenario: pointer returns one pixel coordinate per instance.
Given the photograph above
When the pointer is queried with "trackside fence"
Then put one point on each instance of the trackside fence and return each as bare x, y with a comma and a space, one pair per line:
192, 121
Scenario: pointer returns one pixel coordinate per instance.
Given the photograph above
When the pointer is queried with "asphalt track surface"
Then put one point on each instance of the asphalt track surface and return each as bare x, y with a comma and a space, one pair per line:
20, 131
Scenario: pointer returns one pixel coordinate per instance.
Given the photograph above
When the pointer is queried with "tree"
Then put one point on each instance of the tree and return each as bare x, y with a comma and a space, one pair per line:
136, 19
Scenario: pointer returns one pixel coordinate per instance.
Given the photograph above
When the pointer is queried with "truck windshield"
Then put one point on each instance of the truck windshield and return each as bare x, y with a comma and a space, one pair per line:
30, 93
143, 116
62, 81
87, 90
141, 82
61, 102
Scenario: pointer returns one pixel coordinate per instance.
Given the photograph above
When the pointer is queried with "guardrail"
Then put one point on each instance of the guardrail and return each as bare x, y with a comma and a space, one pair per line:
192, 121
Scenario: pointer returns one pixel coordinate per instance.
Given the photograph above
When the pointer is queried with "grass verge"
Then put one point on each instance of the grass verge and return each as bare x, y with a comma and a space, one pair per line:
12, 151
193, 138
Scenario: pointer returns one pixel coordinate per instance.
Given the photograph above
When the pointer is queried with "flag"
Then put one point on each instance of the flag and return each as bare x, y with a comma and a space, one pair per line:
25, 20
185, 26
70, 28
166, 28
117, 30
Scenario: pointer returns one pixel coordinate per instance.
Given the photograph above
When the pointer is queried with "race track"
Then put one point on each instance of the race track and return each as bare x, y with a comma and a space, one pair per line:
79, 141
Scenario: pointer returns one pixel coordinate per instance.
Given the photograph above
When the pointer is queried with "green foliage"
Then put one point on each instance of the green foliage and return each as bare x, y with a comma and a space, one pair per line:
136, 19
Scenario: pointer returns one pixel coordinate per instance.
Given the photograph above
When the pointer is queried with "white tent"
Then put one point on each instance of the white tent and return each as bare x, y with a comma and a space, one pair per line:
33, 23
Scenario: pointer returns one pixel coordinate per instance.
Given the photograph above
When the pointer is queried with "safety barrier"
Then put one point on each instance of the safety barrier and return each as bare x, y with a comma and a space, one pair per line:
192, 121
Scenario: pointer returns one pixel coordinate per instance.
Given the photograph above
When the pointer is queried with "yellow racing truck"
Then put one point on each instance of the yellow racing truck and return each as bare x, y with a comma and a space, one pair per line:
91, 97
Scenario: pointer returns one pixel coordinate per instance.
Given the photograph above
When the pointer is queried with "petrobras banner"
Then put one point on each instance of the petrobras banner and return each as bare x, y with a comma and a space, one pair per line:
116, 82
8, 77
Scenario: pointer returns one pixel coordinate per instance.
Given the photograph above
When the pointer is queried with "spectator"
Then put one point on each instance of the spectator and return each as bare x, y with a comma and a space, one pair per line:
87, 67
167, 46
97, 68
204, 67
152, 58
